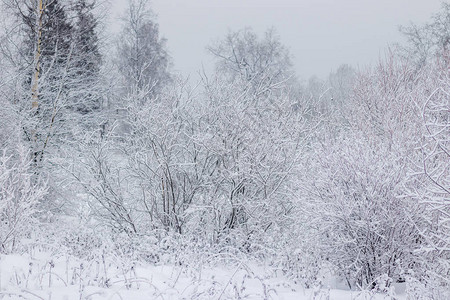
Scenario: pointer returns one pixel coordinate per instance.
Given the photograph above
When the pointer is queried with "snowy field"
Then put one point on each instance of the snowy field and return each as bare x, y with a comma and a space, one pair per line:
122, 177
47, 277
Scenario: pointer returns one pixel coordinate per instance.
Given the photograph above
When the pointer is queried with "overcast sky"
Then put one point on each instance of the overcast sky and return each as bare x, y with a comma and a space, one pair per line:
320, 34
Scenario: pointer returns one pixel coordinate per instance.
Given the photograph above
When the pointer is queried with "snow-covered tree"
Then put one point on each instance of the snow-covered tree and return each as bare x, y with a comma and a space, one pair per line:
57, 70
87, 60
261, 64
425, 42
142, 57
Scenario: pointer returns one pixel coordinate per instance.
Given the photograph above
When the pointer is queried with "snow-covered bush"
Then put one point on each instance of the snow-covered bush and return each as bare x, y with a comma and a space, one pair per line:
19, 197
354, 204
353, 198
429, 179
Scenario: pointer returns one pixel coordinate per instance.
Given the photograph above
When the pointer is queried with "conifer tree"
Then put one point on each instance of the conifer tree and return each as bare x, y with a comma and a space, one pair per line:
87, 58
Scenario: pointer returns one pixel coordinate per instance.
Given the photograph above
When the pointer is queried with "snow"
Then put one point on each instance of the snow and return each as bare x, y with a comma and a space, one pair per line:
44, 276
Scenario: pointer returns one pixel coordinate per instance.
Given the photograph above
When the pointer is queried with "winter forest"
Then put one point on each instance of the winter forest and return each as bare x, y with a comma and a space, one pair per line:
121, 179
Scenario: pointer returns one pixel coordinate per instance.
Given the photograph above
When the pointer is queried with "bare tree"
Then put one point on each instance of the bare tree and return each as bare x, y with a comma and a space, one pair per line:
429, 40
142, 57
260, 63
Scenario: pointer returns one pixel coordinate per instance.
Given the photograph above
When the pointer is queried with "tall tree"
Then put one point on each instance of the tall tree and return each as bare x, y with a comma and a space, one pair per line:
260, 63
48, 44
143, 59
61, 62
87, 60
425, 42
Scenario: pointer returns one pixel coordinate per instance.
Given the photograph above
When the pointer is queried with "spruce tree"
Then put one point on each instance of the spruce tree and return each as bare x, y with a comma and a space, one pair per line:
87, 60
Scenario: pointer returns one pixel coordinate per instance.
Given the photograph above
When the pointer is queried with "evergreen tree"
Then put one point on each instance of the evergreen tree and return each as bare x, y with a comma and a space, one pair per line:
87, 58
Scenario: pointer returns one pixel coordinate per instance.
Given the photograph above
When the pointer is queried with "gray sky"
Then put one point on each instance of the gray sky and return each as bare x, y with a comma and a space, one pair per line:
320, 34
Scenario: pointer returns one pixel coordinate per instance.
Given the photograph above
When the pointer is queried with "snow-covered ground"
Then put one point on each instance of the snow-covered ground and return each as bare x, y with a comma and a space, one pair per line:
43, 276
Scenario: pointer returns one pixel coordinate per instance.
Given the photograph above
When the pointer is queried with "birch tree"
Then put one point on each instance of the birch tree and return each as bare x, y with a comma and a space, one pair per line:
142, 57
